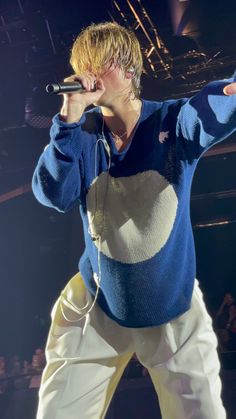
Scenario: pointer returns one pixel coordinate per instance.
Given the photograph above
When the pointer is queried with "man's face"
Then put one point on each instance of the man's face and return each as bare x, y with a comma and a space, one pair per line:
116, 82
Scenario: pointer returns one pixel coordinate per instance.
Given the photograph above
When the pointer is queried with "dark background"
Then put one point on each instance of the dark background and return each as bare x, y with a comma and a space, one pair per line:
40, 248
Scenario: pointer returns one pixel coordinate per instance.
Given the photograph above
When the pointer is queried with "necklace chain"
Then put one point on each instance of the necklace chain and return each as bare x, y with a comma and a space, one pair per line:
118, 137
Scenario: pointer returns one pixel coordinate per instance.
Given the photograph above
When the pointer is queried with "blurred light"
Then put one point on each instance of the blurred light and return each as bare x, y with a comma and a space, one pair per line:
184, 18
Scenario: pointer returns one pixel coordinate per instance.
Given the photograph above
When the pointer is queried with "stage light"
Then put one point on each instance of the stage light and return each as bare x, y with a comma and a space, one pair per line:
183, 13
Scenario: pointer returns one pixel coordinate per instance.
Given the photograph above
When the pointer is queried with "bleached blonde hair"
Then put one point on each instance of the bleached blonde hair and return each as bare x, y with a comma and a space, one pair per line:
104, 44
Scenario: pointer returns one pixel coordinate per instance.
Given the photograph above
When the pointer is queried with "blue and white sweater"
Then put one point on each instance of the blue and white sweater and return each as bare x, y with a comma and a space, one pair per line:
139, 208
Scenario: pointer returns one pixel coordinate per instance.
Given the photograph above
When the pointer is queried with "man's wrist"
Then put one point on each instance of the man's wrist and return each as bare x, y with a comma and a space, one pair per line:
71, 117
67, 119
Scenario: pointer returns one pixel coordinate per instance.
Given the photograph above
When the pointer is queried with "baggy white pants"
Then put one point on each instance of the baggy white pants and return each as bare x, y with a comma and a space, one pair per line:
86, 359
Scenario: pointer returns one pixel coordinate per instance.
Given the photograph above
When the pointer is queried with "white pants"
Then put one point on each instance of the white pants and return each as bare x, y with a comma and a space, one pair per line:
86, 359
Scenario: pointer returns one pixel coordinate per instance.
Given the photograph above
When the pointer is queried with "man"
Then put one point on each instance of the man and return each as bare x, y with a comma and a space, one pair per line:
129, 163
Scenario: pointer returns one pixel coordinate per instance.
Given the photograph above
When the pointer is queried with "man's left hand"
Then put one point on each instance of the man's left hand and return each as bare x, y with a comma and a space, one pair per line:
230, 89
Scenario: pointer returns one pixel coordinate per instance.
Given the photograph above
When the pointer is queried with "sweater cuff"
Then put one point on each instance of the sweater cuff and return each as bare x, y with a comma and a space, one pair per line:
66, 137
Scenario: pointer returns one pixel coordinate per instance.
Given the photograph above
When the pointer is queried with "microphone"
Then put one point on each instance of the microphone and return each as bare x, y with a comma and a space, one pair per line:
66, 87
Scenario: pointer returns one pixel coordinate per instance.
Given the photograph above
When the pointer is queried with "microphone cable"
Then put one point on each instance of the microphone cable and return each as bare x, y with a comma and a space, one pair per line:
97, 277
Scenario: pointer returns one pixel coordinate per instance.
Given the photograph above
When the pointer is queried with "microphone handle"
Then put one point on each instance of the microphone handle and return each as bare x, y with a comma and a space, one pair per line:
65, 87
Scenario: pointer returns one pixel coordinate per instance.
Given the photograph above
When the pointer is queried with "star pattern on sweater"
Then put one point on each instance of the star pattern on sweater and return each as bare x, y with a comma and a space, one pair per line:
164, 135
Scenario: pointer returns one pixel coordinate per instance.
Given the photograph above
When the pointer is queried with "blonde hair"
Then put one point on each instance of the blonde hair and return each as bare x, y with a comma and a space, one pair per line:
106, 43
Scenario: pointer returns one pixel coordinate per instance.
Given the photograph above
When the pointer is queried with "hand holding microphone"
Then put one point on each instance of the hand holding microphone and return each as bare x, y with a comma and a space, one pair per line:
79, 92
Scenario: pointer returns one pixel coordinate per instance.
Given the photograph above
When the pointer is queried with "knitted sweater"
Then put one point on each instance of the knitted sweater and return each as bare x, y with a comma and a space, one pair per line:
136, 213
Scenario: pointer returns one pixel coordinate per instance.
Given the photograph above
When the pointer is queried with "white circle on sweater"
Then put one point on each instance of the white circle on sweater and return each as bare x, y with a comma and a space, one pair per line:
132, 217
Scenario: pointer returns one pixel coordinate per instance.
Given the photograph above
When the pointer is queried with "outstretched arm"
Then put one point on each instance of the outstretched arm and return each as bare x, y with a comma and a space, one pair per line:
208, 117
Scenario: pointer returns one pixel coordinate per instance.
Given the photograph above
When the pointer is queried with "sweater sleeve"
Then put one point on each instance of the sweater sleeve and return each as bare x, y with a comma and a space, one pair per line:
207, 118
57, 177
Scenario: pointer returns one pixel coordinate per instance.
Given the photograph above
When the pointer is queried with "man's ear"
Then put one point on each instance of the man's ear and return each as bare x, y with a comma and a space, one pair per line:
130, 72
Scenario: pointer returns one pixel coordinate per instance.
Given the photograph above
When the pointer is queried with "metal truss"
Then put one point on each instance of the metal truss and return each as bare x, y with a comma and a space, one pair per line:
190, 70
157, 58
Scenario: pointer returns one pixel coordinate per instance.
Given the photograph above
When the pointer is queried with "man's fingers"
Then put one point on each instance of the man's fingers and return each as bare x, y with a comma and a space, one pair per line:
100, 85
230, 89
